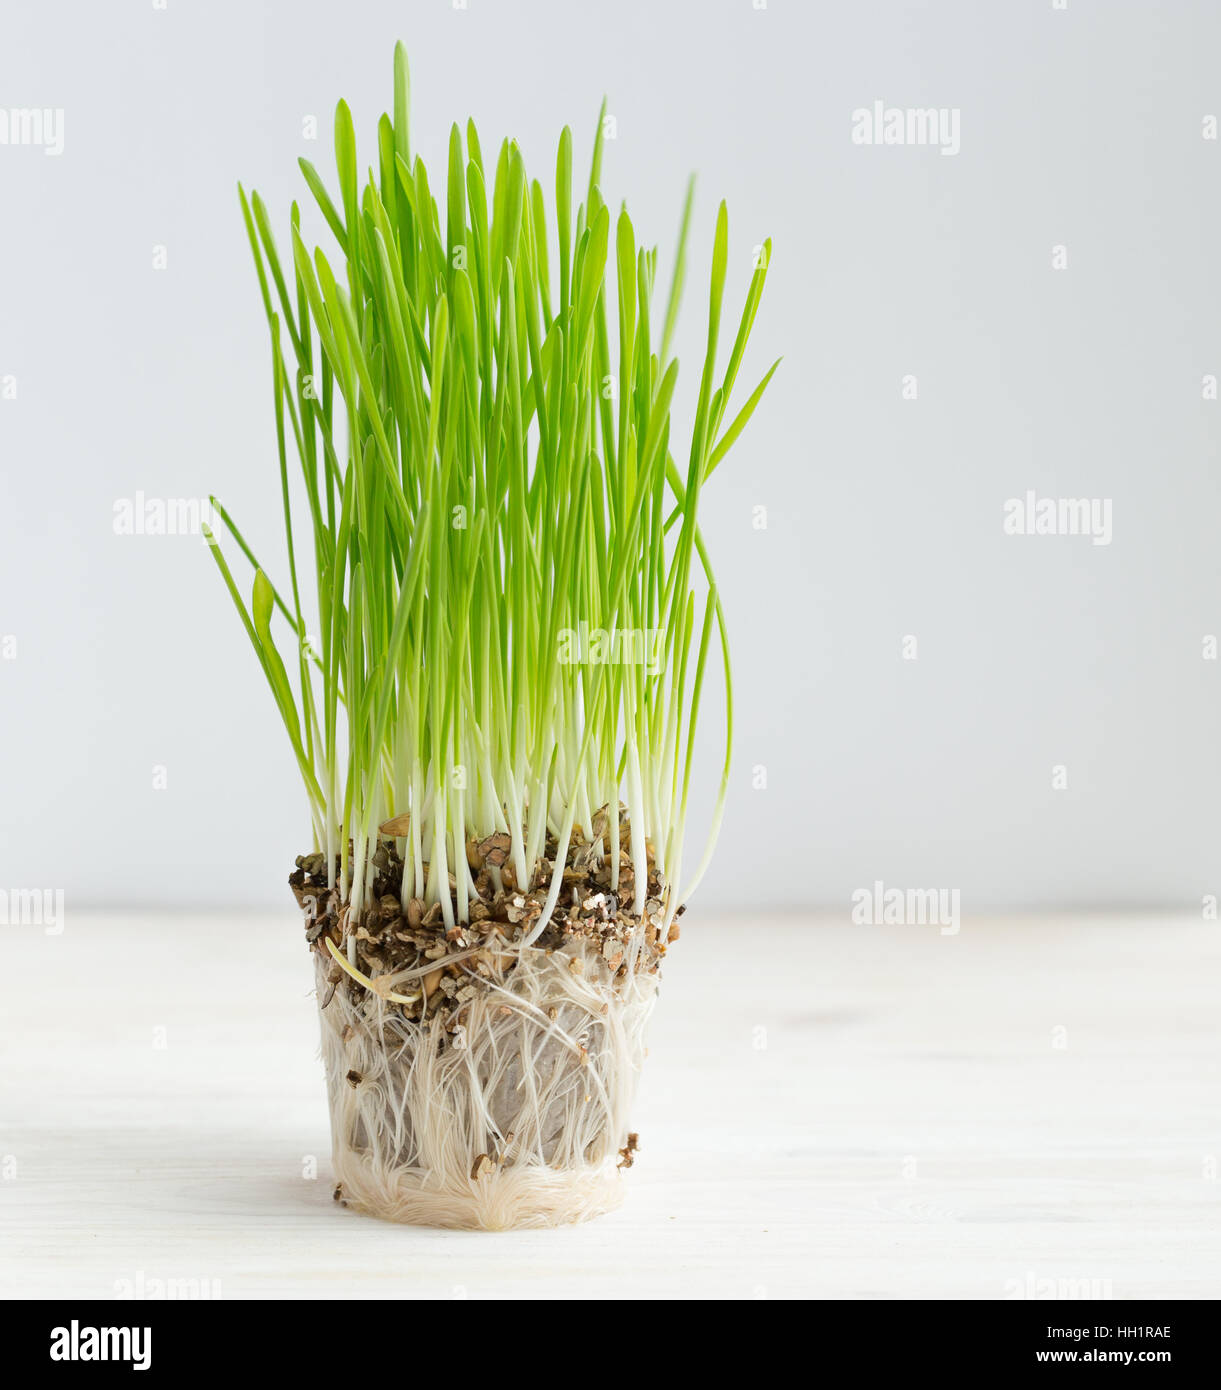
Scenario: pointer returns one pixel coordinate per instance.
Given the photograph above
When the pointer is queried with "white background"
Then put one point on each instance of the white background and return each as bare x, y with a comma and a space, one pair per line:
1080, 128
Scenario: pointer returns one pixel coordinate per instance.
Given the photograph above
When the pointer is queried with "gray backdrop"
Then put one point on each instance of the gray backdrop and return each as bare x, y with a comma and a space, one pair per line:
1080, 127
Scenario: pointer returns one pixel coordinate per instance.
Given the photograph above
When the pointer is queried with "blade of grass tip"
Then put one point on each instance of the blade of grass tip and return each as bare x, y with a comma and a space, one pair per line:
248, 553
515, 192
538, 221
496, 223
625, 254
402, 103
595, 163
716, 292
427, 223
477, 202
263, 223
282, 452
751, 307
234, 592
261, 605
307, 351
387, 179
473, 152
264, 600
455, 219
255, 251
345, 165
323, 199
680, 272
322, 320
592, 270
563, 214
730, 437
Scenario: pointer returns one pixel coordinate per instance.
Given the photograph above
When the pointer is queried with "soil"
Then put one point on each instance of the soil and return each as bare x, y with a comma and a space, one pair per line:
392, 937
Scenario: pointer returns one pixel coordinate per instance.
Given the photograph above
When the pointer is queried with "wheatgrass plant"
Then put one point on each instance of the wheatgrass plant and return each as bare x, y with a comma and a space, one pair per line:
516, 611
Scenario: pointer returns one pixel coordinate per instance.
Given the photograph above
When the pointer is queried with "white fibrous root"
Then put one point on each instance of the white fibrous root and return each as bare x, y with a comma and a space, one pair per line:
510, 1109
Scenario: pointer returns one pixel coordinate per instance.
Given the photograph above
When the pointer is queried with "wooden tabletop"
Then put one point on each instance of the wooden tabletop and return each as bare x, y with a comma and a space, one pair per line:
1027, 1108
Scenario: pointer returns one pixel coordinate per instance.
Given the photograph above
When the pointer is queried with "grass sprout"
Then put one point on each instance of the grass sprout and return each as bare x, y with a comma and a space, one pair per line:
498, 545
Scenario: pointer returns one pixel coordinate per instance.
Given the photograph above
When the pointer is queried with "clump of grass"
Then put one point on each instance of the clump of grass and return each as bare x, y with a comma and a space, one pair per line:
477, 392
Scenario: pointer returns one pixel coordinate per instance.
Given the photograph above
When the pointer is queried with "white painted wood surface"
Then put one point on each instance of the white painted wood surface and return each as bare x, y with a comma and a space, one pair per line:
828, 1110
